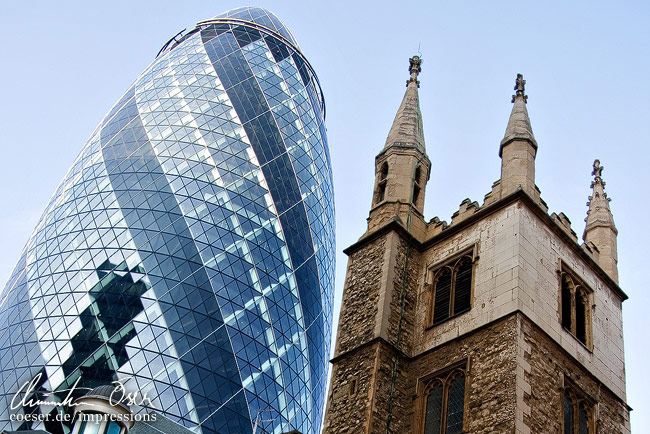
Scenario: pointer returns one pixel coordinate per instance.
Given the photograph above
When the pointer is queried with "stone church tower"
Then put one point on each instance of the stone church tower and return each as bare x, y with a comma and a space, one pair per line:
498, 322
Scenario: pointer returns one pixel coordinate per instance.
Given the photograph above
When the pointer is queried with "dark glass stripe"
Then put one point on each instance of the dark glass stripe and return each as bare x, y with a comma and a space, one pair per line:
245, 35
279, 50
212, 31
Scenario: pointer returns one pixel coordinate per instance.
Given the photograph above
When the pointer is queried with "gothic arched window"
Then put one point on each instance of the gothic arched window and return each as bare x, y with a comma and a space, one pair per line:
463, 286
433, 413
444, 404
452, 289
575, 307
442, 298
577, 414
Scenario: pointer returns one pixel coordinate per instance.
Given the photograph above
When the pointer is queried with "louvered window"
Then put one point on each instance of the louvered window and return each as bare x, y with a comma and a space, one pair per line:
463, 289
442, 299
566, 303
452, 289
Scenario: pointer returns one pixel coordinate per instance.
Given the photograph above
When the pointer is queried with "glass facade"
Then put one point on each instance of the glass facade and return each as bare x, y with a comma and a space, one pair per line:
189, 250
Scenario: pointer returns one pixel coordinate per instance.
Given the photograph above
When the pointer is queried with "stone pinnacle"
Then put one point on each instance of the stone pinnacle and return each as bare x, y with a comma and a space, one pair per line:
407, 130
519, 127
599, 213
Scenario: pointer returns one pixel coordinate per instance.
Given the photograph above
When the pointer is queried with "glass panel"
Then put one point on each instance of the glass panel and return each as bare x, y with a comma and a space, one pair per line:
568, 414
456, 405
443, 288
82, 427
583, 420
433, 411
566, 304
113, 428
90, 428
463, 287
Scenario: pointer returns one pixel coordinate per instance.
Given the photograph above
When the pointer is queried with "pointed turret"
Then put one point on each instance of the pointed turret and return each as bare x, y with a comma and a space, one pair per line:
402, 168
600, 229
519, 123
407, 126
518, 147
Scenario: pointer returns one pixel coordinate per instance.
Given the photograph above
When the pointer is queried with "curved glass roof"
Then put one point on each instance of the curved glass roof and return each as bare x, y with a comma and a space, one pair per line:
260, 17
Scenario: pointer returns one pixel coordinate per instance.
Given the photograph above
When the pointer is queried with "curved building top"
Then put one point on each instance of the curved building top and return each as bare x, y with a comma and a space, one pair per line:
258, 16
247, 17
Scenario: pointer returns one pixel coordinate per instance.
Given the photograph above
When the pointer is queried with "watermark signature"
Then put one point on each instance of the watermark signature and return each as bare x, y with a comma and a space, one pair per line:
119, 396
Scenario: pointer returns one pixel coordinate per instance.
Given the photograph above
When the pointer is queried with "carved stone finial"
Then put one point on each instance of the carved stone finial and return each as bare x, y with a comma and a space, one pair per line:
415, 67
520, 88
600, 229
598, 169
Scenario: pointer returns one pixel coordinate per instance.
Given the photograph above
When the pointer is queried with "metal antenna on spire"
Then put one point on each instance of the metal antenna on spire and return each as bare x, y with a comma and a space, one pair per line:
419, 52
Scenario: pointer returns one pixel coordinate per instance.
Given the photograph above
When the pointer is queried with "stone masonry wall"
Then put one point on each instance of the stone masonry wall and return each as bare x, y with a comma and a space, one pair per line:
364, 375
540, 251
490, 398
495, 277
407, 274
548, 366
511, 339
360, 393
382, 400
360, 296
350, 392
517, 269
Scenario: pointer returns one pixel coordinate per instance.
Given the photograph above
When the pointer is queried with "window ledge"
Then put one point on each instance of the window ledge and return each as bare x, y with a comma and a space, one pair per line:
585, 346
432, 326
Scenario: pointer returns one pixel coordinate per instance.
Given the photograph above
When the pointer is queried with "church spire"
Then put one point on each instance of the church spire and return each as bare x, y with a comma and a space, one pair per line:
600, 229
519, 123
402, 168
407, 129
518, 147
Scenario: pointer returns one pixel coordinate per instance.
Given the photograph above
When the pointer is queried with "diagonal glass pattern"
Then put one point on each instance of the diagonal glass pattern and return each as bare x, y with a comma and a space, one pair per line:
189, 250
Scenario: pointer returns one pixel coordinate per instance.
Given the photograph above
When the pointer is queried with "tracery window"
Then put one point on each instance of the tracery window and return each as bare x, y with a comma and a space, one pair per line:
452, 289
575, 306
578, 413
444, 403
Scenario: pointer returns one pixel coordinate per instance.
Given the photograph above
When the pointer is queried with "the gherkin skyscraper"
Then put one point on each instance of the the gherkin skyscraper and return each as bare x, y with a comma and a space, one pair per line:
189, 250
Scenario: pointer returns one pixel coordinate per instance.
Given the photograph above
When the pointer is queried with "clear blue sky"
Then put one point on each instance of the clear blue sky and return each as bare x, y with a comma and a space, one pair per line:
587, 65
